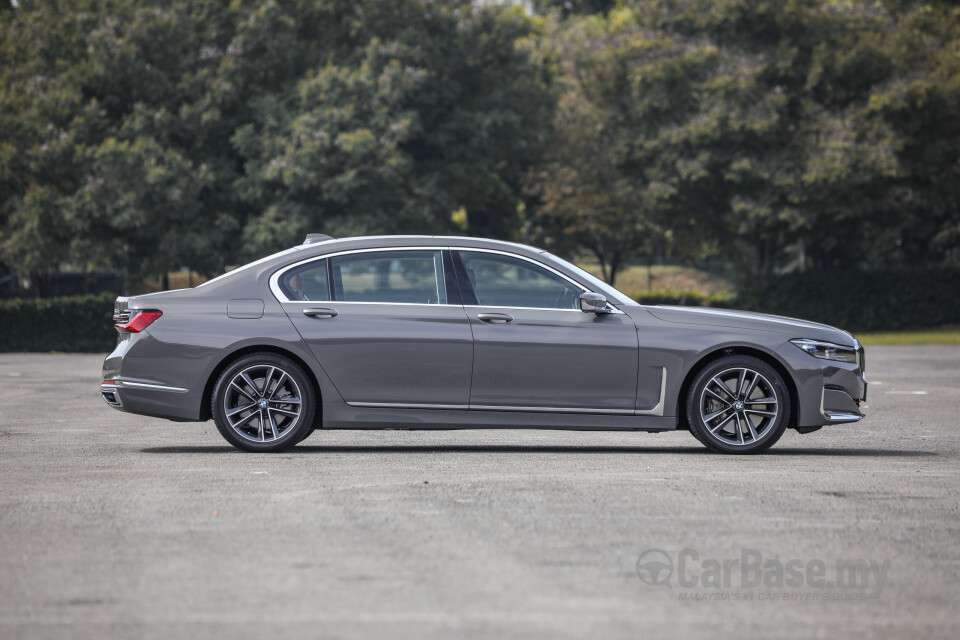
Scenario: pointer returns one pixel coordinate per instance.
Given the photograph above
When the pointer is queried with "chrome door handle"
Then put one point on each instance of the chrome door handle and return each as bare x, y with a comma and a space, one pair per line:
495, 318
321, 313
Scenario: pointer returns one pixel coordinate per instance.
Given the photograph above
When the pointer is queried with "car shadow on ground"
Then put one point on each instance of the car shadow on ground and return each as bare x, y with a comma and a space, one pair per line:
535, 449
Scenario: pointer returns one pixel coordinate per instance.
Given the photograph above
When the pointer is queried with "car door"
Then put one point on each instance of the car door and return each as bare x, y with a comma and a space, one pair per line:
534, 349
386, 325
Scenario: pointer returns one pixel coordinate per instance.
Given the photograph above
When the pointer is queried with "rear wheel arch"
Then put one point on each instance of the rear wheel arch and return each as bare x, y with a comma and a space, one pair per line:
705, 361
233, 356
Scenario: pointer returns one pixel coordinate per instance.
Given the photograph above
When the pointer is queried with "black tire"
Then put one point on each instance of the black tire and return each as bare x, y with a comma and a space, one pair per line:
725, 409
263, 402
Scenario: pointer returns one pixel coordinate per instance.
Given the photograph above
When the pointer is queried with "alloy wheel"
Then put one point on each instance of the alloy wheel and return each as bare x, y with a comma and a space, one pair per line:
262, 403
739, 406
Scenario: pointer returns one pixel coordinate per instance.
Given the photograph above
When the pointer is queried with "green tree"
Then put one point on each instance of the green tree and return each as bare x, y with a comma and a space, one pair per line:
918, 113
152, 135
106, 161
582, 200
408, 113
760, 131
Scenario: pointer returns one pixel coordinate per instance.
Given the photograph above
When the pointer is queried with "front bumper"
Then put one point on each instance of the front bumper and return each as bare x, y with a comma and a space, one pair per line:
828, 392
844, 390
837, 406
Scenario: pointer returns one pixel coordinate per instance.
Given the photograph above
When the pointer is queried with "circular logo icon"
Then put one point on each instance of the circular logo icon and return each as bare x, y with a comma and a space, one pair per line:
655, 567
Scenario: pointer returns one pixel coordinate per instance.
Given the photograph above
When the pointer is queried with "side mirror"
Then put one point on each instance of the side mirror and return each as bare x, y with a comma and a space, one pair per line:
593, 302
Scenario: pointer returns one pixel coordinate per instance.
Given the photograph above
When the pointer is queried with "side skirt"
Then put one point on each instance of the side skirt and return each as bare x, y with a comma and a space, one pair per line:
338, 415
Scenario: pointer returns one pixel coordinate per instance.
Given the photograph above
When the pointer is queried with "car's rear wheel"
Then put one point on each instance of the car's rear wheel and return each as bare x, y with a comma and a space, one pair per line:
738, 404
263, 402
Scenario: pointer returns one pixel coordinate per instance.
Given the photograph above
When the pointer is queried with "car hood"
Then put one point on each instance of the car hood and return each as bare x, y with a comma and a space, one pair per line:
791, 327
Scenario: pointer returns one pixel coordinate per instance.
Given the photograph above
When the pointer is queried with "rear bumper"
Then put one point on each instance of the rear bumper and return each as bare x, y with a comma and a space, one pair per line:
138, 378
144, 398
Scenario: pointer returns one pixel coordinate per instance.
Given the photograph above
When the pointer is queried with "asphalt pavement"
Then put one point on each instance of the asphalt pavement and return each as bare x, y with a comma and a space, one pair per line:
114, 525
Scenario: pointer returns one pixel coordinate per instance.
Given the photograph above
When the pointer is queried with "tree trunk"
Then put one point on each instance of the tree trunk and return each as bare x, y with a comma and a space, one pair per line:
40, 283
382, 281
614, 268
604, 273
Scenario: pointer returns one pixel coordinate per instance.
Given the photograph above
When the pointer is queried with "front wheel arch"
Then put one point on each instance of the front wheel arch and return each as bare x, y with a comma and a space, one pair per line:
705, 360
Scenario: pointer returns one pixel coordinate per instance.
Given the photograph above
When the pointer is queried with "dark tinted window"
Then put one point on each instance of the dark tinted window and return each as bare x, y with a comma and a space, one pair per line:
306, 282
390, 276
504, 281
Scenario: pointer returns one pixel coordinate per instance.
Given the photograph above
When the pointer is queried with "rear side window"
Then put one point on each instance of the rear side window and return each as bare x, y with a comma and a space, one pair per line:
389, 276
307, 282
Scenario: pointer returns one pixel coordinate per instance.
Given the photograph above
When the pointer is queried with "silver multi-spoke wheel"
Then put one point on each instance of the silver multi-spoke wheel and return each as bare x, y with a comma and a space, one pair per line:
262, 403
738, 404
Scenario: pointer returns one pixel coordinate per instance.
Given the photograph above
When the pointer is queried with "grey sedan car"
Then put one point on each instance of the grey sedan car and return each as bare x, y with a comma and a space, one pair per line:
419, 332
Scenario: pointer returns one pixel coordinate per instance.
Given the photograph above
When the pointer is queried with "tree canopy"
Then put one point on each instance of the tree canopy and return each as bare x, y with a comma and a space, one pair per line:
151, 135
148, 135
824, 132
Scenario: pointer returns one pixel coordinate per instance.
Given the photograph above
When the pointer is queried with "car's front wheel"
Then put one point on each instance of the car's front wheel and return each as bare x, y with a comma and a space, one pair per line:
263, 402
738, 404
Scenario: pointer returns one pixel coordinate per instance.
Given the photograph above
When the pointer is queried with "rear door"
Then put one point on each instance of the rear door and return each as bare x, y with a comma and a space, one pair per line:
386, 325
534, 349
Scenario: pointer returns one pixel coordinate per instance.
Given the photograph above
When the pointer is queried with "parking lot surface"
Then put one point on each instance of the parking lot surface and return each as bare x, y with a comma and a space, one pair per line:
114, 525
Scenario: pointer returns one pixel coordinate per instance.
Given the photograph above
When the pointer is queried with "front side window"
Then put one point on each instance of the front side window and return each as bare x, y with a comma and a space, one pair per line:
308, 282
389, 276
504, 281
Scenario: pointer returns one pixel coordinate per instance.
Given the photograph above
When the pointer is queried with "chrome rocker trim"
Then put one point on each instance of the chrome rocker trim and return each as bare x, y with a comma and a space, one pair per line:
120, 384
656, 411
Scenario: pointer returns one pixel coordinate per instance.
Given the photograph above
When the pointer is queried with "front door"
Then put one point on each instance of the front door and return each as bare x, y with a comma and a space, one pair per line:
384, 326
534, 349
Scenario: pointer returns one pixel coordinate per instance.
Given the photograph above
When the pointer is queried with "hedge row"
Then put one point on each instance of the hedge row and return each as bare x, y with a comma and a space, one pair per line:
879, 300
77, 323
683, 298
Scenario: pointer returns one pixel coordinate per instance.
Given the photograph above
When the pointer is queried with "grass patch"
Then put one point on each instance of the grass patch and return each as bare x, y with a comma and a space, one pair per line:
943, 335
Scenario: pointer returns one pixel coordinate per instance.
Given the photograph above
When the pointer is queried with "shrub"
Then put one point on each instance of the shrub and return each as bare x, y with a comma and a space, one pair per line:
682, 298
878, 300
76, 323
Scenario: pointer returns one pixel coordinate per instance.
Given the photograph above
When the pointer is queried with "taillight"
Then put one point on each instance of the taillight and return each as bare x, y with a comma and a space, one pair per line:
139, 322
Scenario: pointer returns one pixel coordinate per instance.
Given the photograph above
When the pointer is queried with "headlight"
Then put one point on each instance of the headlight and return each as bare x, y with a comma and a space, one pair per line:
826, 350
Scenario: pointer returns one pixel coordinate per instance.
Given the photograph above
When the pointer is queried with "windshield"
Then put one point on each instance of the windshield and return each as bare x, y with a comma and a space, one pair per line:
598, 285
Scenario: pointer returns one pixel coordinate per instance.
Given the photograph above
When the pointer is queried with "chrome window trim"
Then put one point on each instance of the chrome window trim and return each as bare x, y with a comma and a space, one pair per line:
531, 261
279, 295
612, 309
490, 306
397, 304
